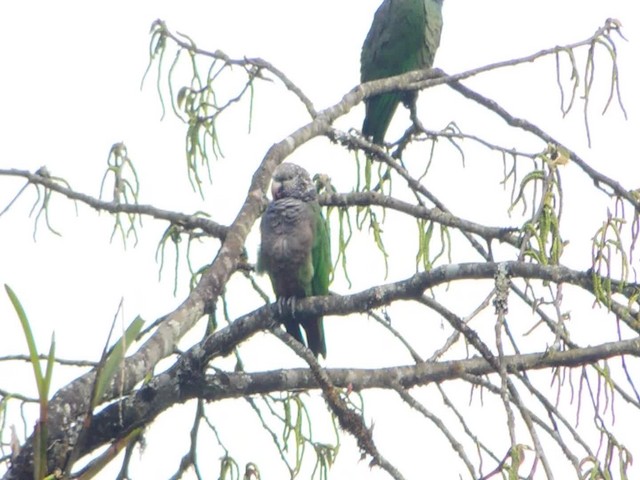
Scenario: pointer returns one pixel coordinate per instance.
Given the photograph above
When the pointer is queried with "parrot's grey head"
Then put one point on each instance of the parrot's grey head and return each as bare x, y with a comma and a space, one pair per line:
292, 181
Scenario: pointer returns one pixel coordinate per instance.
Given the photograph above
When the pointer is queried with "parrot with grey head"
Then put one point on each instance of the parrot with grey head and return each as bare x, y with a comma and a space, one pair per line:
295, 249
404, 36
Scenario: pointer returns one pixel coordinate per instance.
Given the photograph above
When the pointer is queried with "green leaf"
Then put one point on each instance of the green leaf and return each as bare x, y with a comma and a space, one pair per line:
50, 362
31, 344
115, 357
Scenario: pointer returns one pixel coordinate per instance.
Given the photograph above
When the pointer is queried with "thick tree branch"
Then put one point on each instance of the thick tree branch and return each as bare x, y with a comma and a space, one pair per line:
181, 384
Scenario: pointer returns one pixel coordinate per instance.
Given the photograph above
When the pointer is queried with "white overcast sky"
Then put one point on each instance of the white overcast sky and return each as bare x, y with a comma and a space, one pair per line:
70, 76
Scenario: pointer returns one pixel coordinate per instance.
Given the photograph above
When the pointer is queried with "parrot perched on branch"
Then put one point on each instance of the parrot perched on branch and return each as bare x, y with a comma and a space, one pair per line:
295, 250
404, 36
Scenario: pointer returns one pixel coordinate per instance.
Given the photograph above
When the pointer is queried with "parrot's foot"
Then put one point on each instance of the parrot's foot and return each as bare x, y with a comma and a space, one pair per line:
286, 303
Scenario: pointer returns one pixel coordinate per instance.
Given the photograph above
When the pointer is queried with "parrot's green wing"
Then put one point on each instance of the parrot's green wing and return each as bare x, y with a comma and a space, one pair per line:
321, 259
404, 36
321, 255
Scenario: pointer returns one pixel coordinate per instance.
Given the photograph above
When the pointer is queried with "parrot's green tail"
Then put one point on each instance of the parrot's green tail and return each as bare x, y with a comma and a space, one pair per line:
380, 110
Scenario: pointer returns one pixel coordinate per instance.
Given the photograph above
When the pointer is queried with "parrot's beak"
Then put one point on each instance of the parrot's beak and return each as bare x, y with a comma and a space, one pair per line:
276, 190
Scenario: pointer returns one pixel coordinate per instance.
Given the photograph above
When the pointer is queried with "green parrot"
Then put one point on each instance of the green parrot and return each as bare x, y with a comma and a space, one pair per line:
404, 36
295, 249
